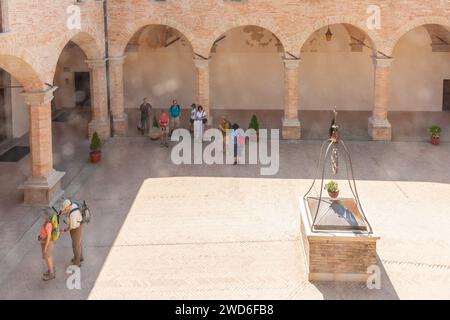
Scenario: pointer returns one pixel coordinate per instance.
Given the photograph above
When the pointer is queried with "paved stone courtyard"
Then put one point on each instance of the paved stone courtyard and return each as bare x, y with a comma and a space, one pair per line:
202, 232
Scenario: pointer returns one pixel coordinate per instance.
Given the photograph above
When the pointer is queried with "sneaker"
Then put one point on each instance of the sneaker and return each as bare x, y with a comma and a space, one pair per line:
167, 145
48, 272
49, 276
81, 260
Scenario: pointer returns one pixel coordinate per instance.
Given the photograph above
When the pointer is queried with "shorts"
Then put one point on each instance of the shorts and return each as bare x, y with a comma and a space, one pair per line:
49, 252
191, 121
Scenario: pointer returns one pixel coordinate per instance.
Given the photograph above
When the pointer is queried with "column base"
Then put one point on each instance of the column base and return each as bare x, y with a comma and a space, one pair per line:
380, 130
120, 126
291, 130
43, 191
103, 128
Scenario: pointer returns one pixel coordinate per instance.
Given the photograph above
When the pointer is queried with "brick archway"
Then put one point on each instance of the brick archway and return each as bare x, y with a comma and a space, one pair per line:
119, 44
86, 40
407, 27
23, 66
238, 23
376, 42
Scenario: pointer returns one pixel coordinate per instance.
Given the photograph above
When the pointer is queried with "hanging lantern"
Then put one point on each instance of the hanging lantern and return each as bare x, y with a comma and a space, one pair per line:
329, 34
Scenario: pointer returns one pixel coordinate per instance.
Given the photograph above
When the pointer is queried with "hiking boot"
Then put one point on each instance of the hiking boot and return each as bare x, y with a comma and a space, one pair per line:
49, 276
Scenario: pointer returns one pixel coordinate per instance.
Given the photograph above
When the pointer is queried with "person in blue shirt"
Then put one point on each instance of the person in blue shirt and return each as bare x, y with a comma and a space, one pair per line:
175, 113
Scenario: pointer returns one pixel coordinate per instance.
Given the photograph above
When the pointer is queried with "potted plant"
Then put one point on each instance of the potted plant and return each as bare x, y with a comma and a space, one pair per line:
333, 189
155, 133
254, 124
435, 133
96, 145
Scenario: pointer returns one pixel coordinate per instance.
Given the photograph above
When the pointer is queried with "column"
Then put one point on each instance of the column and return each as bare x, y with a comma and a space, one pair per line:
291, 125
120, 118
379, 126
99, 102
202, 66
43, 188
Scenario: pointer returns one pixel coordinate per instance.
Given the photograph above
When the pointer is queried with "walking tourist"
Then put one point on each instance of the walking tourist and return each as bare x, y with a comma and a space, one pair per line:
145, 109
45, 238
75, 227
164, 125
175, 113
237, 140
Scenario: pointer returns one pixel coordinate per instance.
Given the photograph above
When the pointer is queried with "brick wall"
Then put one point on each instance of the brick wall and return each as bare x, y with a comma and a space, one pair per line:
39, 33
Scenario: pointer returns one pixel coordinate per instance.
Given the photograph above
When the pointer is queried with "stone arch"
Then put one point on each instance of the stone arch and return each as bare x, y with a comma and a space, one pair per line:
375, 40
118, 46
23, 66
412, 24
243, 22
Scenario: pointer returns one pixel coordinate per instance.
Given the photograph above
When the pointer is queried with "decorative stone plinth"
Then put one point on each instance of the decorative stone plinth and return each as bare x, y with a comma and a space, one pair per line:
291, 130
380, 130
336, 256
43, 191
120, 126
101, 127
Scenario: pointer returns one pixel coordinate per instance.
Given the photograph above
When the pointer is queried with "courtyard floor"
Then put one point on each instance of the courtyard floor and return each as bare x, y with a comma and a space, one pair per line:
162, 231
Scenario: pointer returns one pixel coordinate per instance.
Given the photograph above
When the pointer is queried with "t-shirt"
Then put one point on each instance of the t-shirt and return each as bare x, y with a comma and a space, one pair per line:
175, 111
193, 113
164, 120
75, 218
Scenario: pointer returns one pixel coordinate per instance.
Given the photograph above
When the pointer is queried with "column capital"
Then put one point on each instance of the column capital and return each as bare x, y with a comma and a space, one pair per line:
201, 63
96, 63
117, 60
291, 63
382, 62
39, 97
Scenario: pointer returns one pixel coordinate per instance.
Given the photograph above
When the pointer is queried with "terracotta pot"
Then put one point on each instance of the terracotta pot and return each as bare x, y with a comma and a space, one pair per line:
95, 156
435, 141
333, 195
155, 134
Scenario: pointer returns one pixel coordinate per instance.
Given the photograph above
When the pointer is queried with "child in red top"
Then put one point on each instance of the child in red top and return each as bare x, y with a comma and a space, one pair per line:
164, 125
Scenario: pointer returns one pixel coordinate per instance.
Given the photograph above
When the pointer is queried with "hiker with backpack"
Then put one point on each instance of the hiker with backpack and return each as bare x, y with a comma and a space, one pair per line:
49, 233
75, 226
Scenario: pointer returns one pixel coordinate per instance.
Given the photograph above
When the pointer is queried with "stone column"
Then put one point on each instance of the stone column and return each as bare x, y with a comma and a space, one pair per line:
43, 188
99, 101
202, 66
379, 126
120, 118
291, 125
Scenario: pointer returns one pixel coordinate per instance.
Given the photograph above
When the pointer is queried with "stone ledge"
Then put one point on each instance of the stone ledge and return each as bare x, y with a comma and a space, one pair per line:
380, 130
291, 129
43, 191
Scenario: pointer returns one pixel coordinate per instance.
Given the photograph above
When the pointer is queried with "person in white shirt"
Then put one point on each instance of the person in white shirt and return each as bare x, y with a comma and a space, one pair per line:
75, 226
200, 119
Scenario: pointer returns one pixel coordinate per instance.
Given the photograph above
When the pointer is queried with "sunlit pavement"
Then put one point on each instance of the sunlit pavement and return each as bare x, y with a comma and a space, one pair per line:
163, 231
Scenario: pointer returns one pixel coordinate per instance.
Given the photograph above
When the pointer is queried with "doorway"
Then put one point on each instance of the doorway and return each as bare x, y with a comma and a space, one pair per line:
82, 89
446, 100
